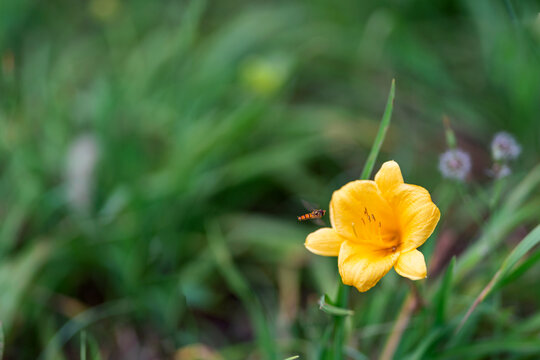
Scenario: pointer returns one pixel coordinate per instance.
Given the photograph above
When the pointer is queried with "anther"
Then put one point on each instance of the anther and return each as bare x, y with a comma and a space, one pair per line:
373, 216
354, 230
394, 248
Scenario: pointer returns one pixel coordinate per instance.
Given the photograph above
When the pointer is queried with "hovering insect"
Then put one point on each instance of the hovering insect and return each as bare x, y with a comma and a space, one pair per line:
315, 214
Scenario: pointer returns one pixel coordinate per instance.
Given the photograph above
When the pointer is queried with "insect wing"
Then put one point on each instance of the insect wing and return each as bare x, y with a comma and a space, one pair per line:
309, 206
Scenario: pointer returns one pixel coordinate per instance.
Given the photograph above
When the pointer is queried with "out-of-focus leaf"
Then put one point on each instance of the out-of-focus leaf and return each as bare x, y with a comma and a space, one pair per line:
16, 275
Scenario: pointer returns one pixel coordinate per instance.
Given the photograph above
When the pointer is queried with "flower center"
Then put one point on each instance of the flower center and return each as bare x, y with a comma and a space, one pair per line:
371, 229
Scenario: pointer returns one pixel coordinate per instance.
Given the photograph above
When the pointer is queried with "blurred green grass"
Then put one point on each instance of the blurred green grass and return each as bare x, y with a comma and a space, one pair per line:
205, 115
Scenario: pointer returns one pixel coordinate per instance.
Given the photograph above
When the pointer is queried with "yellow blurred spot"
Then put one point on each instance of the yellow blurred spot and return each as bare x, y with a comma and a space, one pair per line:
104, 10
264, 76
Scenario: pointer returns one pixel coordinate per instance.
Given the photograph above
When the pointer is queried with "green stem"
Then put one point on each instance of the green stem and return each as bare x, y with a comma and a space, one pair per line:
339, 321
342, 300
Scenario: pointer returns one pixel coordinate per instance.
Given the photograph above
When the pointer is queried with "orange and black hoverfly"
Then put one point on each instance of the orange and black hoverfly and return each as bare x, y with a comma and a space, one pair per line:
313, 214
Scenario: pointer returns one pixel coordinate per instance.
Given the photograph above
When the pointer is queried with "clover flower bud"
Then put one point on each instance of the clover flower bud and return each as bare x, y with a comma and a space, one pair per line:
455, 164
499, 171
504, 147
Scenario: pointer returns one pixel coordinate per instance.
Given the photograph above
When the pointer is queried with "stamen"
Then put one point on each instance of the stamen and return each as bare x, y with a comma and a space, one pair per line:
373, 216
380, 232
354, 231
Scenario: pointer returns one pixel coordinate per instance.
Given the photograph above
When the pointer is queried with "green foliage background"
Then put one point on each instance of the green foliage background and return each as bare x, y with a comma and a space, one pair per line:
211, 120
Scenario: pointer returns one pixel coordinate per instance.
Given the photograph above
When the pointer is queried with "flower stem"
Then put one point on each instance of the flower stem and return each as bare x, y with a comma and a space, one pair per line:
339, 321
342, 300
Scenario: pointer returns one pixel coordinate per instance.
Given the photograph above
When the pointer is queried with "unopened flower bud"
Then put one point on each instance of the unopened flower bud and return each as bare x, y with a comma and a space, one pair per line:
455, 164
504, 147
499, 171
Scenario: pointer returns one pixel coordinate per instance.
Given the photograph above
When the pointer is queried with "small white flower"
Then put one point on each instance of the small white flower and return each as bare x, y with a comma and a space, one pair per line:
455, 164
504, 147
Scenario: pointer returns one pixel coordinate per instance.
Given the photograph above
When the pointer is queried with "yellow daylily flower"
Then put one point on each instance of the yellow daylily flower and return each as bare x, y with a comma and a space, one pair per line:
377, 225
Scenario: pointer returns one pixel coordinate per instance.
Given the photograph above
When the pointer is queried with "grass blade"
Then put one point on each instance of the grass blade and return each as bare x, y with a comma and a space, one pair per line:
383, 128
521, 268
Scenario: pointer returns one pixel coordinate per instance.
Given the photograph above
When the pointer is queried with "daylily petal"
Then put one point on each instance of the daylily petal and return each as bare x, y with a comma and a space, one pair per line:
416, 213
325, 242
388, 177
354, 201
363, 266
411, 265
